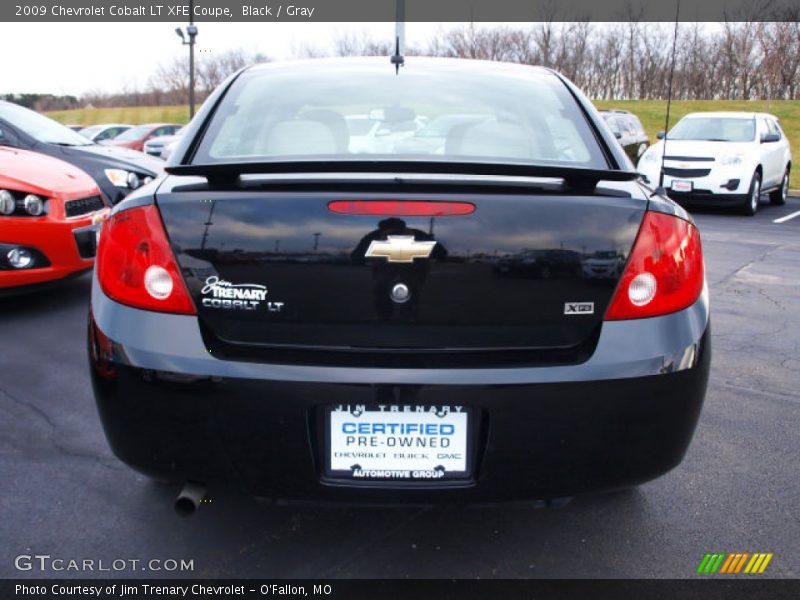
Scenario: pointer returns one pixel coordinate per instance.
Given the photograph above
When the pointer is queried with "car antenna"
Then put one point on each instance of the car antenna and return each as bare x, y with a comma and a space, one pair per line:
660, 189
399, 39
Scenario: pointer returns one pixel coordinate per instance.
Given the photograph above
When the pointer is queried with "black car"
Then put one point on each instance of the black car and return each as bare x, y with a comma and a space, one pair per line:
117, 171
628, 129
308, 324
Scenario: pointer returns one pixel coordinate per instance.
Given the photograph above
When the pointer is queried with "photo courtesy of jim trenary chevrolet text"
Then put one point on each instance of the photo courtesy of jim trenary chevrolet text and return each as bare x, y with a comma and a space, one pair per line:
399, 299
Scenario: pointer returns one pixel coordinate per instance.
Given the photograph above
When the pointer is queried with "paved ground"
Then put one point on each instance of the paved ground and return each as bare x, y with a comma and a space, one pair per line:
62, 493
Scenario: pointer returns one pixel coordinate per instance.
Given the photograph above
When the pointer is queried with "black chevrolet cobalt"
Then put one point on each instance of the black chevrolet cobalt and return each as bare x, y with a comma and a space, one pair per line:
502, 313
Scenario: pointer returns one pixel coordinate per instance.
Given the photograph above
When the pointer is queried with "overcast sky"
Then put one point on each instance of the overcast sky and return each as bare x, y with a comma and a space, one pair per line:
73, 58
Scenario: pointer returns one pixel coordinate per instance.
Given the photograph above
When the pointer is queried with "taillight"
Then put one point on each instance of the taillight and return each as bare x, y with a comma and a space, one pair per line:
135, 265
664, 273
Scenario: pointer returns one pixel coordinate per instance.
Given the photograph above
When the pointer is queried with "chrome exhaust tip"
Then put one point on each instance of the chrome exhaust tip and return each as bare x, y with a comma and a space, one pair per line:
188, 501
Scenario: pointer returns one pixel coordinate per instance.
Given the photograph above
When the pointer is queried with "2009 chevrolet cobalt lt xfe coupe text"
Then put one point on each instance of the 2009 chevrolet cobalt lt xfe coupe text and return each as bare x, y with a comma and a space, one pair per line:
311, 324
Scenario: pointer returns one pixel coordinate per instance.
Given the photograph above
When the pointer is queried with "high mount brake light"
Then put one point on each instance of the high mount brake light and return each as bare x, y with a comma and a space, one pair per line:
135, 264
664, 273
401, 208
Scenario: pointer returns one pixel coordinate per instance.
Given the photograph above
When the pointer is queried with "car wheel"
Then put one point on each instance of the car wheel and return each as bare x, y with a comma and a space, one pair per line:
750, 206
778, 197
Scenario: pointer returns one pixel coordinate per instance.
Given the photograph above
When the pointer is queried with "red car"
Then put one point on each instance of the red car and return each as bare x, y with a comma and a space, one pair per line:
50, 212
136, 136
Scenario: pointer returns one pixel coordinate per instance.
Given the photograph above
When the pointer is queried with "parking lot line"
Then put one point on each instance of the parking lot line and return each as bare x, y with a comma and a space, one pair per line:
787, 217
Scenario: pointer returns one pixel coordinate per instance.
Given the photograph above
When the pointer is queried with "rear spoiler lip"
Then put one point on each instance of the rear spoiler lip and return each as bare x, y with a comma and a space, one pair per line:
574, 177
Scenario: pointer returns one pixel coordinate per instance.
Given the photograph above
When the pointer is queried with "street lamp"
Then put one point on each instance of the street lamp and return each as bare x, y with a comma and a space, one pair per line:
191, 32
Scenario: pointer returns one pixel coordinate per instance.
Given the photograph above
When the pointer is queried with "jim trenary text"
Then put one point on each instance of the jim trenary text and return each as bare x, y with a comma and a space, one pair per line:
142, 590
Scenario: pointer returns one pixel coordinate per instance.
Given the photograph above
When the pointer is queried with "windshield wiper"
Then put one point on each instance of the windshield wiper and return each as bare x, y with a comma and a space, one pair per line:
575, 178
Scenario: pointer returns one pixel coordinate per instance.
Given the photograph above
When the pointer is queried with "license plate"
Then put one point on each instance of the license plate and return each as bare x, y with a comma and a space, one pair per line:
679, 185
398, 442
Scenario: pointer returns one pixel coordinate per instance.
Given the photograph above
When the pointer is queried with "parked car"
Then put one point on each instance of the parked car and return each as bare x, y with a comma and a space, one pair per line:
628, 129
117, 171
603, 264
317, 325
162, 146
722, 159
169, 147
50, 212
100, 133
136, 137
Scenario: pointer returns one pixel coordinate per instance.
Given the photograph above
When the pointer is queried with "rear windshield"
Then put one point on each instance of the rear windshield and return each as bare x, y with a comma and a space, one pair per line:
313, 112
715, 129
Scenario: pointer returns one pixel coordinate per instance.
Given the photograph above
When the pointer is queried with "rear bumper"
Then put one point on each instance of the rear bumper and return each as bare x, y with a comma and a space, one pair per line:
625, 416
710, 190
706, 198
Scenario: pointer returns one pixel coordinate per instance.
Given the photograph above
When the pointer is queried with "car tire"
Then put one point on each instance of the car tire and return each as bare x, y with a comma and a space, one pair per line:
750, 206
778, 197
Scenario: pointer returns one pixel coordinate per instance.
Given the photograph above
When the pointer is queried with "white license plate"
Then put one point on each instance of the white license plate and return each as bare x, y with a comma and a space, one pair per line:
679, 185
398, 442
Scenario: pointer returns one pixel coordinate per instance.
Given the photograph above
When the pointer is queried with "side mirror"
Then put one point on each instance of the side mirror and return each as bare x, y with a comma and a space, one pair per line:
661, 135
768, 138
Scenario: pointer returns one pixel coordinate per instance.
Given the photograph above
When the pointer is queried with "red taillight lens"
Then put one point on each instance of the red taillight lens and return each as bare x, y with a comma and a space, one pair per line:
664, 272
135, 265
401, 208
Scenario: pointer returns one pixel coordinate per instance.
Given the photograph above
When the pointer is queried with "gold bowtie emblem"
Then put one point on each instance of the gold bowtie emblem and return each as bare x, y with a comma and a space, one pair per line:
399, 249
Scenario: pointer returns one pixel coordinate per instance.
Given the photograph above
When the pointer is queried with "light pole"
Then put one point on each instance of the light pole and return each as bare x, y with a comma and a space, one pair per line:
191, 32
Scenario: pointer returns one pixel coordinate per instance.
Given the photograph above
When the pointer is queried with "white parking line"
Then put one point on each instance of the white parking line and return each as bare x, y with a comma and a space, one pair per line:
787, 217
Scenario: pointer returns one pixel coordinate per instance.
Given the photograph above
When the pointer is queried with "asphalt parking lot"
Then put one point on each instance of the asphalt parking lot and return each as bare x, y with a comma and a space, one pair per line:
62, 492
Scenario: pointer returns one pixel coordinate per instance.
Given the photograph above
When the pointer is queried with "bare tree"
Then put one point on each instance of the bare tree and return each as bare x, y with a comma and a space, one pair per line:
742, 60
361, 44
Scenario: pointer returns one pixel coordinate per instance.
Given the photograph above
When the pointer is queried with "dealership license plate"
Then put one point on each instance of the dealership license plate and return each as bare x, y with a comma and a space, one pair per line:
679, 185
398, 442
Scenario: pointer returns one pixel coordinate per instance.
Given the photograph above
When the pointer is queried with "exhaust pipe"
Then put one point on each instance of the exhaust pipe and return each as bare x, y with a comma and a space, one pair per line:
190, 498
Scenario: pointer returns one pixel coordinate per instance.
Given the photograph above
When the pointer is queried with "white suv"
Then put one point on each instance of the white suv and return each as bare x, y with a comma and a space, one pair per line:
723, 159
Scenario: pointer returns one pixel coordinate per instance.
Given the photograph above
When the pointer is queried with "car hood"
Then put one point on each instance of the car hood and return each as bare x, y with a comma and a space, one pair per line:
40, 174
122, 158
700, 148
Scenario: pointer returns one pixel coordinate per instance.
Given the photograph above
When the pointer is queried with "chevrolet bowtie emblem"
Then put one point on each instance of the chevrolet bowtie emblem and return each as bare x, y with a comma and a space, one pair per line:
399, 249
